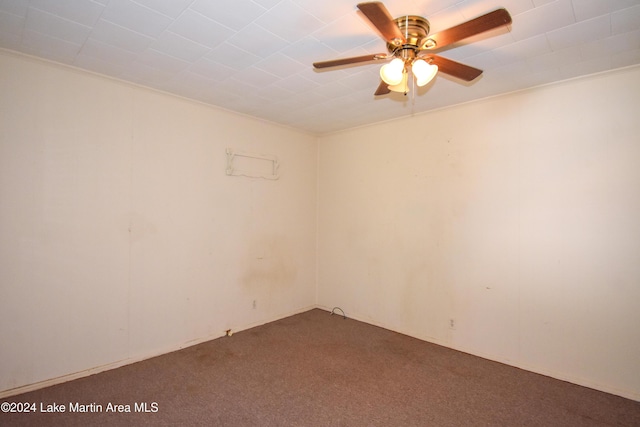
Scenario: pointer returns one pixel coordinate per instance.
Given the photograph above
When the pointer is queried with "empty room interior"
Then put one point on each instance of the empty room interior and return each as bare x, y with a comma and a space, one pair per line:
179, 173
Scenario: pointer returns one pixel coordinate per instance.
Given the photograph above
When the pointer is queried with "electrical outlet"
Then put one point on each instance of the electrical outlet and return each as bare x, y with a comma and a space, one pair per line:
255, 304
452, 323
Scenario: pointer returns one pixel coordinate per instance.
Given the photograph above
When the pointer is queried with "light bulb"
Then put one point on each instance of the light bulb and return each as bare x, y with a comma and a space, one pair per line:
392, 72
402, 86
423, 71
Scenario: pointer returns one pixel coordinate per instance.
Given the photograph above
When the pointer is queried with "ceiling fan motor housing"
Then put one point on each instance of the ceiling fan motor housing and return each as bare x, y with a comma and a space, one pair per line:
415, 30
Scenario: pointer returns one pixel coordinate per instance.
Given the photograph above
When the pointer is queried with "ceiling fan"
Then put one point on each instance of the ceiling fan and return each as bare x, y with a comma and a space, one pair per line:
409, 45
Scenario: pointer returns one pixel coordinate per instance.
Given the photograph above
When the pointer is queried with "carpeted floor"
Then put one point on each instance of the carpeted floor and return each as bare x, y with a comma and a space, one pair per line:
315, 369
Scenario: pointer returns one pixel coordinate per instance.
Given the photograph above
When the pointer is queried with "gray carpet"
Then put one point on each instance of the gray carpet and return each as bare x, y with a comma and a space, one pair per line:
315, 369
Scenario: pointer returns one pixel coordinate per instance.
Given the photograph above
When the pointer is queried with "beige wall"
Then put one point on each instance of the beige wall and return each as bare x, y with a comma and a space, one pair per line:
121, 236
517, 218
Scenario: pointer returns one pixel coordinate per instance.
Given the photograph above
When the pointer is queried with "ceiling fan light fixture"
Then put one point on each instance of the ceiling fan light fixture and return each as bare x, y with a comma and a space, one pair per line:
407, 38
393, 72
423, 71
402, 86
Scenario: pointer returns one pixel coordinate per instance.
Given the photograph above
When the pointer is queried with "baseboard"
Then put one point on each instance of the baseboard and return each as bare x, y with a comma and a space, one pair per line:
69, 377
628, 394
120, 363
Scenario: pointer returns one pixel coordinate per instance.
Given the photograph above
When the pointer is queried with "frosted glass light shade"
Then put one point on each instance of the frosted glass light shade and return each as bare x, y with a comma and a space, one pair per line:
423, 71
392, 72
402, 86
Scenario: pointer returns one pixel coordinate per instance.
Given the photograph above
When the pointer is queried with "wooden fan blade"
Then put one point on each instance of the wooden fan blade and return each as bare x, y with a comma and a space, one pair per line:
383, 89
380, 17
347, 61
455, 69
489, 21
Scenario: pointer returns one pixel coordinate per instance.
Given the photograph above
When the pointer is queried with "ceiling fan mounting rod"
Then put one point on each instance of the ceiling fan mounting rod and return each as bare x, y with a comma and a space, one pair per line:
407, 53
414, 29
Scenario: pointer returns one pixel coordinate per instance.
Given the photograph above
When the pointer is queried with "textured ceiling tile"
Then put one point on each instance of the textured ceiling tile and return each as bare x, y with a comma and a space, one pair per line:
49, 47
200, 29
235, 14
82, 12
297, 84
121, 37
142, 73
347, 33
555, 59
212, 70
484, 61
625, 20
363, 80
612, 45
136, 17
308, 50
179, 47
11, 24
548, 17
506, 74
477, 45
255, 56
233, 56
325, 76
254, 77
474, 8
258, 41
11, 41
328, 11
575, 34
591, 65
625, 59
251, 105
189, 84
446, 18
276, 94
303, 109
539, 3
170, 8
289, 21
293, 104
99, 65
280, 65
159, 60
15, 7
374, 46
535, 78
587, 9
107, 53
519, 51
267, 4
55, 26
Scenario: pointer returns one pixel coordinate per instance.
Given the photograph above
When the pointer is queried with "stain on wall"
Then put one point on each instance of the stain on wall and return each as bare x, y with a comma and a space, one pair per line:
269, 264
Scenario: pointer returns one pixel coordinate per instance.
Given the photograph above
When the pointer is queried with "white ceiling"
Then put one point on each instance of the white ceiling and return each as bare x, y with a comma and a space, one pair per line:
255, 56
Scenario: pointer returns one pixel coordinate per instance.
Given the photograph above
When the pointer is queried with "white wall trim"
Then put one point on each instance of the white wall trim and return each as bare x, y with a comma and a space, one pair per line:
120, 363
629, 394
